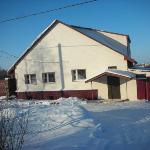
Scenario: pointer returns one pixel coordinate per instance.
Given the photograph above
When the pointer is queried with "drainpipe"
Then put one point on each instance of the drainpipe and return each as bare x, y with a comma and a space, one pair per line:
92, 90
61, 69
126, 90
146, 89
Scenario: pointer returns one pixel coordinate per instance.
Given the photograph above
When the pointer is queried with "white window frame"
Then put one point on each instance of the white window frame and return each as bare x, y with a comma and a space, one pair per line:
47, 77
77, 77
31, 80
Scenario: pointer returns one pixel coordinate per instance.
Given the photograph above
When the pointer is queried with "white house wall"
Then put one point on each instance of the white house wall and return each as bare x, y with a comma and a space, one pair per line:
78, 52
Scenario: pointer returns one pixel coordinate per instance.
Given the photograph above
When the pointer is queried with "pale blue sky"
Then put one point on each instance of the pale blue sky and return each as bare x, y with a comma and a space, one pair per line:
123, 16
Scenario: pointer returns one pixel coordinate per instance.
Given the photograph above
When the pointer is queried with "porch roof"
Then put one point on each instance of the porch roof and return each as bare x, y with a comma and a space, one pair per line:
113, 72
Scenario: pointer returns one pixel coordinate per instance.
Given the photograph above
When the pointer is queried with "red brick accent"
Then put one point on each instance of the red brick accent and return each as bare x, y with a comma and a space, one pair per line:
2, 88
87, 94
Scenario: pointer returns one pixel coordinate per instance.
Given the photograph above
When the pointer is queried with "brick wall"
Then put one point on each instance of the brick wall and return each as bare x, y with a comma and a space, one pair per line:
87, 94
2, 88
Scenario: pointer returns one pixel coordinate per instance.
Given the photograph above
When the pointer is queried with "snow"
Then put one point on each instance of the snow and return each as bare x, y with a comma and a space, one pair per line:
122, 73
75, 124
2, 98
141, 68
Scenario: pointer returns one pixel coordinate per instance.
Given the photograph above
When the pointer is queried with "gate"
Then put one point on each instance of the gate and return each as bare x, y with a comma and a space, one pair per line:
148, 88
143, 88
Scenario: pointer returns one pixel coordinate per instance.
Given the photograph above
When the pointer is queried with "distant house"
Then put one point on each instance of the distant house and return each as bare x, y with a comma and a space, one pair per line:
66, 60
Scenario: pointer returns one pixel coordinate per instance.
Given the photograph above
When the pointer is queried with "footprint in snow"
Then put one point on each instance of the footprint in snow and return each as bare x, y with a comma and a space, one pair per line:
97, 131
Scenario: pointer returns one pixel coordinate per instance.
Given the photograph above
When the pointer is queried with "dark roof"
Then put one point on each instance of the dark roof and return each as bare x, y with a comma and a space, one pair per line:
98, 30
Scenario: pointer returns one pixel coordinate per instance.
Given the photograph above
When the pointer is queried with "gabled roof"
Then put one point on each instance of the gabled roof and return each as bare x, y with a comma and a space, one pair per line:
113, 72
93, 34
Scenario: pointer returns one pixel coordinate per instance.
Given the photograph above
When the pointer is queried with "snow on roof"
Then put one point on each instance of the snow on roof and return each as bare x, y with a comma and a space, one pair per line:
105, 40
141, 68
115, 72
121, 73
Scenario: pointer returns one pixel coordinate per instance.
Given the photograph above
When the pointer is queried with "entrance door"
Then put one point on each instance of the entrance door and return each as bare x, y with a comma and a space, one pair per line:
148, 88
141, 88
113, 87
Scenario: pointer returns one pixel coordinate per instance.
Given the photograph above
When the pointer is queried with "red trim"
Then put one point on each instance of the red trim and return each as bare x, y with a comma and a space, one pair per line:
86, 94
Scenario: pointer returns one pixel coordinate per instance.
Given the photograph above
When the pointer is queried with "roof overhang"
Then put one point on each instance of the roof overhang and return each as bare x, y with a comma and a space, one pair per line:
115, 73
130, 59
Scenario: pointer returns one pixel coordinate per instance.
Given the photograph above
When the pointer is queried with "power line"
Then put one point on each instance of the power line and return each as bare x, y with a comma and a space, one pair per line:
47, 11
67, 46
6, 53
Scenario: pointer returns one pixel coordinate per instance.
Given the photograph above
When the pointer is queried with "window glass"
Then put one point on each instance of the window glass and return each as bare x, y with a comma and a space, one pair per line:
78, 74
112, 67
27, 81
51, 77
44, 77
81, 74
33, 78
73, 75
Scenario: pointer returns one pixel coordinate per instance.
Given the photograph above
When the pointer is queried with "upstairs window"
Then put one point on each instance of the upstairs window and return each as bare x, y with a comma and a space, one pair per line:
48, 77
30, 79
112, 67
78, 74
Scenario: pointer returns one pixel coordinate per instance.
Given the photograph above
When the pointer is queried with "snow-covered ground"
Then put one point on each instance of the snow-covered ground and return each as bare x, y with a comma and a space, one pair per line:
71, 124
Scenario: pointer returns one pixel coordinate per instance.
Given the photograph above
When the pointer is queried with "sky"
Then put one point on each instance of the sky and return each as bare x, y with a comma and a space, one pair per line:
130, 17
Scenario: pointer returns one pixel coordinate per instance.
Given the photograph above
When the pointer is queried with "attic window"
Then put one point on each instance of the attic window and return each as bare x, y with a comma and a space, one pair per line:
112, 67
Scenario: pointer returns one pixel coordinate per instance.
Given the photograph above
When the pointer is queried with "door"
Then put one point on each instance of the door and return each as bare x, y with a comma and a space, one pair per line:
113, 87
141, 88
148, 88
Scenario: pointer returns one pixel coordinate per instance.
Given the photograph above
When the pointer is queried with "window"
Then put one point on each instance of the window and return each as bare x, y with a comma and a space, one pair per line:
73, 75
78, 74
30, 78
44, 77
33, 78
27, 81
48, 77
112, 67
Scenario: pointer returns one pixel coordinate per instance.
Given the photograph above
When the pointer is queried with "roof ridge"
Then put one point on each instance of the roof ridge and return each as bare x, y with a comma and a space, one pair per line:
99, 30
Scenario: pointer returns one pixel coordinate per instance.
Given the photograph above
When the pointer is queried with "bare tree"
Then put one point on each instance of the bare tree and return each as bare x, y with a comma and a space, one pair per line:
3, 73
13, 126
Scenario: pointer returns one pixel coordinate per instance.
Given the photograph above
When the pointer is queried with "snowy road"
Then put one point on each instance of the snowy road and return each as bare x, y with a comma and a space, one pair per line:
76, 125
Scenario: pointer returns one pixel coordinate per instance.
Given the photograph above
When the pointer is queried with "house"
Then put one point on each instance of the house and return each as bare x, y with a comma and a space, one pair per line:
66, 60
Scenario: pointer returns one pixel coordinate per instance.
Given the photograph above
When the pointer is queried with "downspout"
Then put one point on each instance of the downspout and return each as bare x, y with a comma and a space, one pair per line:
146, 89
126, 91
61, 69
92, 90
